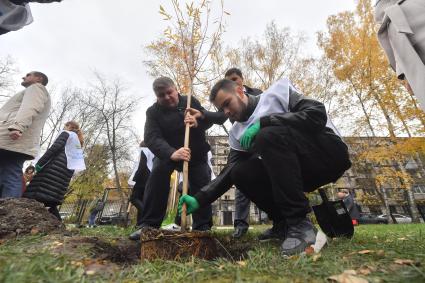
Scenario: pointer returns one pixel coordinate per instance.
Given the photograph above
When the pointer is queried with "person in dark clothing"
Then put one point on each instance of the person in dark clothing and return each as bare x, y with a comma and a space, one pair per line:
51, 181
164, 135
140, 178
98, 207
242, 203
351, 206
282, 145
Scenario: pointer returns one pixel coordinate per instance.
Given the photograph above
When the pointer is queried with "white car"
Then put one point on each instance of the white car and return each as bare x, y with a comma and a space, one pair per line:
398, 217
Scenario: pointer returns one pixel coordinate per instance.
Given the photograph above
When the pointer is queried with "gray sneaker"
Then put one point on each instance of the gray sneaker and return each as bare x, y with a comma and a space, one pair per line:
301, 236
135, 236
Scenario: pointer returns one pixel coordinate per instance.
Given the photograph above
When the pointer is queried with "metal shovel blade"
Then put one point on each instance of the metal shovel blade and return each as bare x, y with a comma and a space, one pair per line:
333, 217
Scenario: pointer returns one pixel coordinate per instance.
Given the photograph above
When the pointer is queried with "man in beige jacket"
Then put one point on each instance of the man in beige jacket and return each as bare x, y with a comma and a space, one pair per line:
22, 118
402, 36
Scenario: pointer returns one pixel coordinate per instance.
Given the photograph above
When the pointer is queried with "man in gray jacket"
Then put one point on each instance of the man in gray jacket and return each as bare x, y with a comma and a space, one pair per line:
22, 118
402, 36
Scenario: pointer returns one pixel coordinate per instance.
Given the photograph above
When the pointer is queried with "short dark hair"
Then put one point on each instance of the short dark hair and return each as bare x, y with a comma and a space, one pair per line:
162, 83
223, 84
232, 71
44, 78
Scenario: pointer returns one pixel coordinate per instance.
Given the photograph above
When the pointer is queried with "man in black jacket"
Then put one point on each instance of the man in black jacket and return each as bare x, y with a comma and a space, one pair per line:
282, 146
242, 203
164, 136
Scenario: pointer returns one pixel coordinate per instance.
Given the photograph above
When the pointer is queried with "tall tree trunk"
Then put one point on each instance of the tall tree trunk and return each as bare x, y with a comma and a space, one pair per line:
367, 117
384, 195
410, 197
386, 114
421, 115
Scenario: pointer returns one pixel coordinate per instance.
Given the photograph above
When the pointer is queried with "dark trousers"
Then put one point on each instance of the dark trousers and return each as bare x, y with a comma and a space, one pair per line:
53, 209
242, 206
291, 163
136, 199
158, 187
141, 178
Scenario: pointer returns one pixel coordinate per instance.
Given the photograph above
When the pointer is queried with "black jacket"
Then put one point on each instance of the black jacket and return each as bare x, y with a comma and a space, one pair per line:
50, 185
165, 128
305, 115
252, 91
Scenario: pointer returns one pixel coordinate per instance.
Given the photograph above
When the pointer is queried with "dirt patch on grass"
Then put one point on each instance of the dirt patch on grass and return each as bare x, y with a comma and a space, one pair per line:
120, 251
234, 249
20, 216
123, 252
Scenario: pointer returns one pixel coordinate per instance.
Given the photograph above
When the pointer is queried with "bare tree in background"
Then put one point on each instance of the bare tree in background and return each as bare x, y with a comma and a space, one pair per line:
109, 102
7, 70
274, 56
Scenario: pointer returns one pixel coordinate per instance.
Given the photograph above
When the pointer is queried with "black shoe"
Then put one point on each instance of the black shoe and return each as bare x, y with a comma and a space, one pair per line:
277, 232
203, 227
135, 236
301, 236
239, 232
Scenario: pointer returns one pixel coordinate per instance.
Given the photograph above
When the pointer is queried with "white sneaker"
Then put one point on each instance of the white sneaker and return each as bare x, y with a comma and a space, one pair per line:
321, 241
171, 227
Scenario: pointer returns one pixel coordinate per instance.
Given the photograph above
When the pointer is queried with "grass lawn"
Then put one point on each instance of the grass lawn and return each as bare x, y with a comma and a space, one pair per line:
377, 253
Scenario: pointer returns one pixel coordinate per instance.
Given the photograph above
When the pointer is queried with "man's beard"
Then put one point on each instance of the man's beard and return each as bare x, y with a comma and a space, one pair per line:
243, 115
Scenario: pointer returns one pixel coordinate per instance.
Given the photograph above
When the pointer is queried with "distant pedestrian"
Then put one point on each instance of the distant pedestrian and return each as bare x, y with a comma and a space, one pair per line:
29, 174
56, 167
139, 179
351, 206
22, 119
98, 207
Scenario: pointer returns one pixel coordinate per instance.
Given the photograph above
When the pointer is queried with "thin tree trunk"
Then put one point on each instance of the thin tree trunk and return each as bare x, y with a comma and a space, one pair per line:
410, 198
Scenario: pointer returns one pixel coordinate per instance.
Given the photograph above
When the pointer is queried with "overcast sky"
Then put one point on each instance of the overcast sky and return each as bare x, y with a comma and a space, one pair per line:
69, 40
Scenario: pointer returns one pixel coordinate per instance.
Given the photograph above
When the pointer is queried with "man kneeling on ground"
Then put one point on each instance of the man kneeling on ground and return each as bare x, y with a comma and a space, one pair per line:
282, 145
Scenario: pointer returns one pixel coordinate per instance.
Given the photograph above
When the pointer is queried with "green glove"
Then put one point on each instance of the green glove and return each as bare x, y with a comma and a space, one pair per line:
191, 203
38, 168
249, 135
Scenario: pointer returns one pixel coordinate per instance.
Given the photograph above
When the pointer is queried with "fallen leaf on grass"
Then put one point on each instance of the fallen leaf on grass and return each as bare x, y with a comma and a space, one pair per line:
241, 263
34, 231
380, 253
348, 276
365, 270
90, 272
402, 239
404, 261
363, 252
316, 257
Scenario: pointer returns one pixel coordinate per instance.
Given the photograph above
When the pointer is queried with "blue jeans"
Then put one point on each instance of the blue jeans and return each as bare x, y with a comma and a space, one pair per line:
92, 218
11, 175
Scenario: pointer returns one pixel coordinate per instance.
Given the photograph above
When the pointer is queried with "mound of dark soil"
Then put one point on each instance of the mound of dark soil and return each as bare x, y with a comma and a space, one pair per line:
20, 216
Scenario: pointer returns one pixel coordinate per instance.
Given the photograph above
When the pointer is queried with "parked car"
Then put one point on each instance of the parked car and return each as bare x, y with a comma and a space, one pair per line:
112, 219
368, 218
398, 217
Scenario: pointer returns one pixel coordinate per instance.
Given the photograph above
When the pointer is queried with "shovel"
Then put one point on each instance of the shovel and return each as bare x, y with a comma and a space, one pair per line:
333, 217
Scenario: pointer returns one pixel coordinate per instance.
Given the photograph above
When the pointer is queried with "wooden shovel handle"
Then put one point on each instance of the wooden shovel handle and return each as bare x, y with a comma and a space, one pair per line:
185, 172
